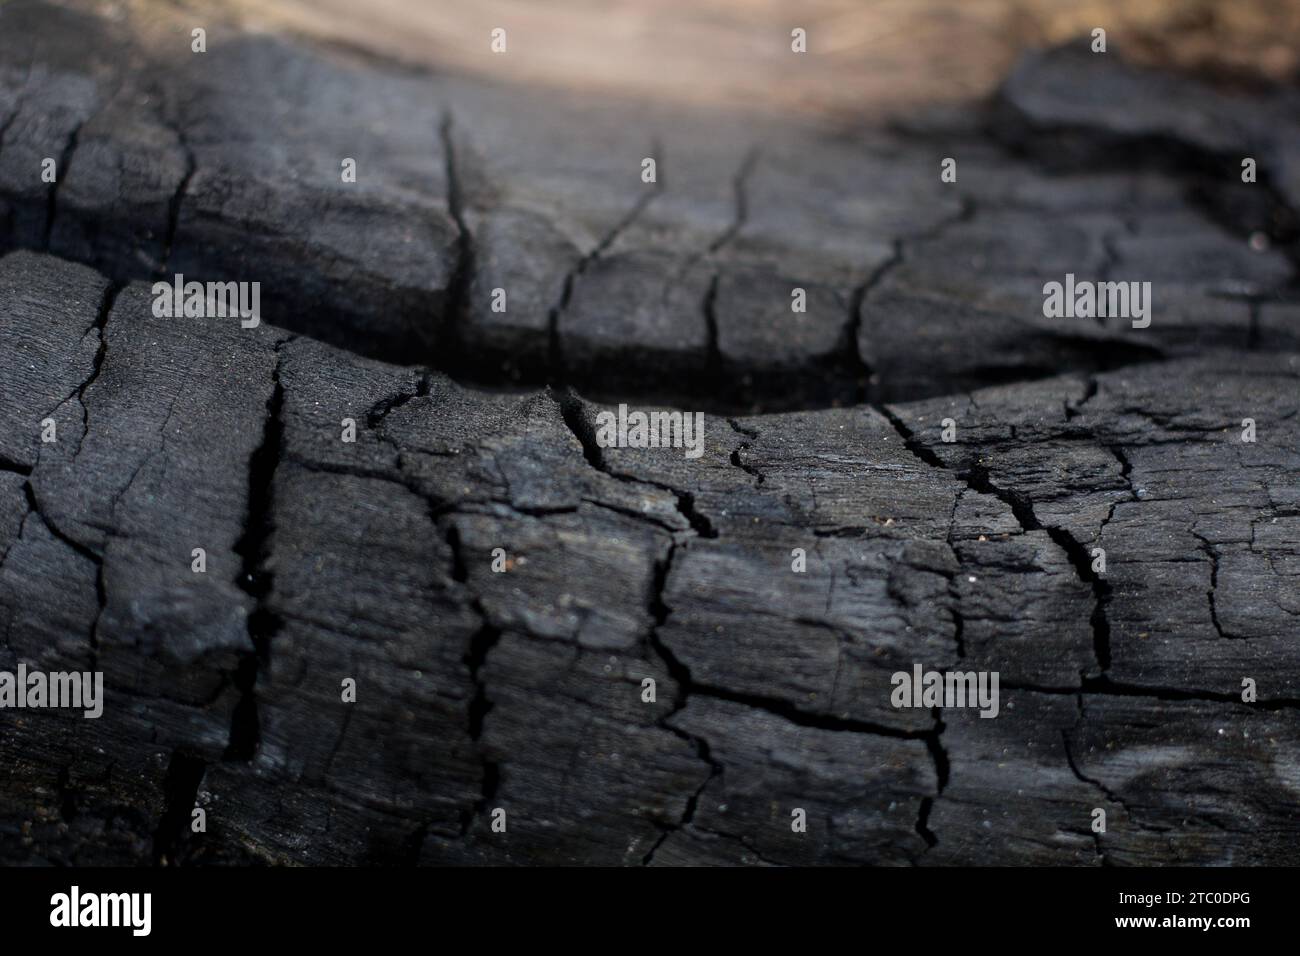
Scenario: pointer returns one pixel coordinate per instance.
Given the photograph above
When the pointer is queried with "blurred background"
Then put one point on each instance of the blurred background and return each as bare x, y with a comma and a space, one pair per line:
871, 56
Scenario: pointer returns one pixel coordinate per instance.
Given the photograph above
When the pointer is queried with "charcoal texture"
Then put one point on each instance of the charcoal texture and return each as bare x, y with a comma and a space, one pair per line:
228, 165
502, 588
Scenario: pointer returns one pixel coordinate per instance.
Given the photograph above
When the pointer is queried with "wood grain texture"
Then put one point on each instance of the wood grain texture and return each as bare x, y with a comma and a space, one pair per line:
475, 430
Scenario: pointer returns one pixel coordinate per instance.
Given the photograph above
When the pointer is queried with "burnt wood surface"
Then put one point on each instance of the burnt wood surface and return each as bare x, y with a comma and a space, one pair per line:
476, 430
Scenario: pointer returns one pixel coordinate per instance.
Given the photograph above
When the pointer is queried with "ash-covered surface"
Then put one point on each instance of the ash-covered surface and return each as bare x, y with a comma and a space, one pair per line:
476, 430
